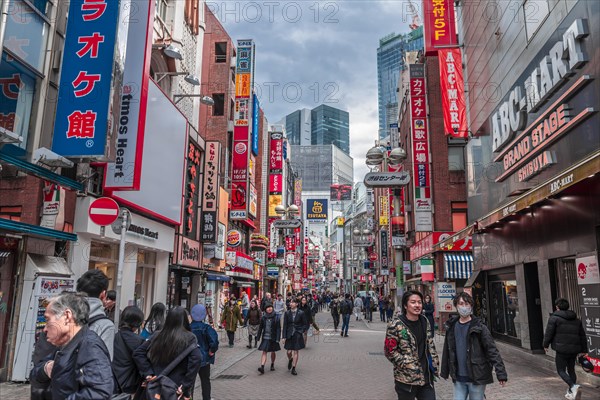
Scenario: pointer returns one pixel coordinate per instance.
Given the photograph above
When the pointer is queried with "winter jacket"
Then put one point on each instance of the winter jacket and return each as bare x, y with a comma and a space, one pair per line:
275, 326
334, 307
279, 307
126, 371
231, 316
104, 327
184, 374
208, 341
566, 333
263, 303
482, 354
358, 303
401, 349
298, 324
81, 369
345, 307
307, 313
428, 309
245, 302
253, 316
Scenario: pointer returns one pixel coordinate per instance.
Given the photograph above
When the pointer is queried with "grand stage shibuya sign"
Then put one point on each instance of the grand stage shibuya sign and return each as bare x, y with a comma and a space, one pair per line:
524, 154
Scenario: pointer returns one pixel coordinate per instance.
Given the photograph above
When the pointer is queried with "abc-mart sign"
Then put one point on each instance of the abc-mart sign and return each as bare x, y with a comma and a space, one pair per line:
517, 154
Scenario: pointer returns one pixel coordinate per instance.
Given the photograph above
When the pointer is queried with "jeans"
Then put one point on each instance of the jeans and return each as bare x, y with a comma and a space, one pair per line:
336, 321
368, 314
244, 313
468, 390
231, 337
566, 362
412, 392
204, 374
382, 315
345, 323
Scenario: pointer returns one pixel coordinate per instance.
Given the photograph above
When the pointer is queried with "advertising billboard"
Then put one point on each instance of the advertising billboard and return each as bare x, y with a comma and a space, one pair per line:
340, 192
316, 209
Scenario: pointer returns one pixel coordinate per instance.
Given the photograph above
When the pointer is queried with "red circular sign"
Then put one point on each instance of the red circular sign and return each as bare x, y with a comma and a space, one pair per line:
103, 211
373, 256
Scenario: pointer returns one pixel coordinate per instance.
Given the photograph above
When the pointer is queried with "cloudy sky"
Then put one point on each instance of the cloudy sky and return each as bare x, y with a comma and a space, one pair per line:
312, 52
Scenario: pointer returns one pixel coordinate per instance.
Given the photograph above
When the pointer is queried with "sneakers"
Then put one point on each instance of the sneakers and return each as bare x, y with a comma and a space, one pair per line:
574, 393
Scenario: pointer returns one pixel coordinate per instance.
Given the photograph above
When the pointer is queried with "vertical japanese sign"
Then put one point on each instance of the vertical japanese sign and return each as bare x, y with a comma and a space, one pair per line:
255, 120
453, 93
588, 279
305, 254
191, 191
210, 193
439, 25
384, 243
82, 112
420, 149
240, 191
384, 208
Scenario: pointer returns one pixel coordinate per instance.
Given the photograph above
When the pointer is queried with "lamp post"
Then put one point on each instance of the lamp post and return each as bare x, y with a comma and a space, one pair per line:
289, 213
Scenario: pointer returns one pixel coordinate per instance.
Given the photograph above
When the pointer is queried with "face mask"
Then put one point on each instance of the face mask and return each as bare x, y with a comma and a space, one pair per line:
464, 311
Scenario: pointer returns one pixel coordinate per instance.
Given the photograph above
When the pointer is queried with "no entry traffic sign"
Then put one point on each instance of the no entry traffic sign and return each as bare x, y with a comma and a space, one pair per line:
104, 211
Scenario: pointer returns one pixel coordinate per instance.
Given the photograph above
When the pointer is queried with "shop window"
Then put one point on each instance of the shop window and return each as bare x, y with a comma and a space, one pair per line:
459, 215
221, 52
535, 13
566, 283
504, 309
219, 106
456, 158
144, 288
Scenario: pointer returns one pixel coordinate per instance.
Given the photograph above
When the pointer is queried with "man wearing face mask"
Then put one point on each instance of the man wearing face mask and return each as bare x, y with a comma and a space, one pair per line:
470, 353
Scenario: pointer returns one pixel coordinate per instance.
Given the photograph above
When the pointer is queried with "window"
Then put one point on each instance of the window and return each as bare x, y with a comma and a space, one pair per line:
219, 106
534, 14
459, 215
221, 52
456, 158
161, 9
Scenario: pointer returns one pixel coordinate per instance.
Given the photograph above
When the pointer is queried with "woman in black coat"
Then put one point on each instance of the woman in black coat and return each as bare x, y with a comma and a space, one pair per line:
164, 346
270, 332
306, 309
428, 311
126, 342
294, 325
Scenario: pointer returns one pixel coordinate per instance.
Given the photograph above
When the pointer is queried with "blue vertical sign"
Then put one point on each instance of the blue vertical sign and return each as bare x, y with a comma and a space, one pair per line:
81, 125
255, 116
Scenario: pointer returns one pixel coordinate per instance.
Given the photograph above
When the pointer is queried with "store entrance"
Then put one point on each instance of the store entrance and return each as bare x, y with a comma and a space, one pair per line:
504, 309
183, 288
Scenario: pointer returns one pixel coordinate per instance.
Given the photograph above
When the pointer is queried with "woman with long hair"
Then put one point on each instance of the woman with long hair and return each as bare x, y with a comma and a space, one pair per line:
126, 341
166, 345
305, 307
294, 324
428, 311
270, 332
155, 320
253, 321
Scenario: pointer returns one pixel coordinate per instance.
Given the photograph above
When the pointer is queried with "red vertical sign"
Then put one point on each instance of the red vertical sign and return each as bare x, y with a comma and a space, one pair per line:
453, 93
439, 25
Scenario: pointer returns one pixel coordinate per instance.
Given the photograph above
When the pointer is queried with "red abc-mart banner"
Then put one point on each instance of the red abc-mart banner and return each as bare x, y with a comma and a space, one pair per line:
452, 86
439, 25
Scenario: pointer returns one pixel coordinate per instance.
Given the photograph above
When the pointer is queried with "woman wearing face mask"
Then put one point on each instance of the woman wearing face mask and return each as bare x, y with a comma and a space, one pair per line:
468, 342
230, 317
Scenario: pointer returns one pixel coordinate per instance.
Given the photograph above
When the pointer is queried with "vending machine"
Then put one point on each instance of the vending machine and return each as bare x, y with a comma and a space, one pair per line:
37, 290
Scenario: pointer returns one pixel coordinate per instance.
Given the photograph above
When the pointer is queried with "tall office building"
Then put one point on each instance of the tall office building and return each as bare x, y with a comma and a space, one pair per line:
390, 55
322, 125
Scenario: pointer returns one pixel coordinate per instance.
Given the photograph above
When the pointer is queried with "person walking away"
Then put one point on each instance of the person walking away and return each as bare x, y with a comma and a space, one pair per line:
245, 307
294, 324
367, 305
346, 311
470, 353
314, 309
306, 309
230, 317
109, 302
208, 343
266, 299
175, 338
95, 284
155, 320
80, 367
270, 333
253, 322
127, 341
391, 307
428, 311
358, 305
566, 335
335, 313
382, 308
279, 306
411, 350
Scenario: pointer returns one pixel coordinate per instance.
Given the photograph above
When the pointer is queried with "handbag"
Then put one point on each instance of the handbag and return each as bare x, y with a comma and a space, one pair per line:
162, 387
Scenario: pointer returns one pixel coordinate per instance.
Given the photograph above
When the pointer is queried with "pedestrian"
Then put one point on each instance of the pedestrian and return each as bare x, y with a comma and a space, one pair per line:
269, 332
245, 306
367, 305
165, 346
391, 308
95, 284
208, 343
279, 306
428, 311
109, 302
411, 350
314, 309
382, 308
253, 322
470, 353
266, 299
294, 324
230, 317
80, 367
306, 309
155, 320
566, 334
346, 311
335, 313
127, 341
358, 305
287, 301
42, 349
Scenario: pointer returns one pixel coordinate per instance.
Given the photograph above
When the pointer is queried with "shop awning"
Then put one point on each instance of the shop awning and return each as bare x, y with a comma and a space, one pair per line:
217, 277
35, 230
472, 278
458, 265
46, 265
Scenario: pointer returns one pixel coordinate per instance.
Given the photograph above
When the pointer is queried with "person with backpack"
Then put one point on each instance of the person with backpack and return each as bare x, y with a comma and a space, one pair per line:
335, 313
253, 319
269, 331
170, 359
126, 342
566, 334
230, 317
208, 343
95, 284
346, 311
155, 320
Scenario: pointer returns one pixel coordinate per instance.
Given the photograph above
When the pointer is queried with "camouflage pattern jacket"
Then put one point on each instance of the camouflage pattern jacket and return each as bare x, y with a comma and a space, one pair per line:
401, 350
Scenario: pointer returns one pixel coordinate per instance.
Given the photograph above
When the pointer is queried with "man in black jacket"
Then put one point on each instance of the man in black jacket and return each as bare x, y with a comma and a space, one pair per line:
565, 333
470, 352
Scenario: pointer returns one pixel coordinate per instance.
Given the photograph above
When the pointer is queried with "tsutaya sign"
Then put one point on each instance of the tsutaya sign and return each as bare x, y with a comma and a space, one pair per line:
511, 117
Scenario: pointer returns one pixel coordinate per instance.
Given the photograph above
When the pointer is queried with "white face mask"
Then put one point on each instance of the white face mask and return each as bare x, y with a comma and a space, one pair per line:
464, 311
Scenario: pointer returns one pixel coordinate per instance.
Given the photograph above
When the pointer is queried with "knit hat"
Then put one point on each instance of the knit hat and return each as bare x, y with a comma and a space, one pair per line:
198, 312
268, 304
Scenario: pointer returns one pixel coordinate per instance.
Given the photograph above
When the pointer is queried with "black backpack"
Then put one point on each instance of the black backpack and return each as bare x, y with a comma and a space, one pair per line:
345, 308
162, 387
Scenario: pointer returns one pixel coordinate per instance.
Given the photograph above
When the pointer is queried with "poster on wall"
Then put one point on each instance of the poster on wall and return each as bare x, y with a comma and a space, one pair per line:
588, 280
445, 292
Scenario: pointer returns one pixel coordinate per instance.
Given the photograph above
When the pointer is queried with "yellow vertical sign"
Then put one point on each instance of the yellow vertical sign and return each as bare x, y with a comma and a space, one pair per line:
242, 85
384, 210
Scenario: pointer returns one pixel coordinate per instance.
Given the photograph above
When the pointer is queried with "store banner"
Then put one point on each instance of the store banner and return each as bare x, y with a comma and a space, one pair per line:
191, 191
439, 28
253, 204
588, 279
452, 87
210, 194
384, 244
239, 201
276, 183
188, 252
255, 121
274, 201
384, 210
276, 152
316, 209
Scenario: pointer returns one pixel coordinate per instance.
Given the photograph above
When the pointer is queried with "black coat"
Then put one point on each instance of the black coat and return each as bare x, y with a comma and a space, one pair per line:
482, 354
299, 324
81, 369
275, 327
307, 312
42, 349
566, 333
124, 367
